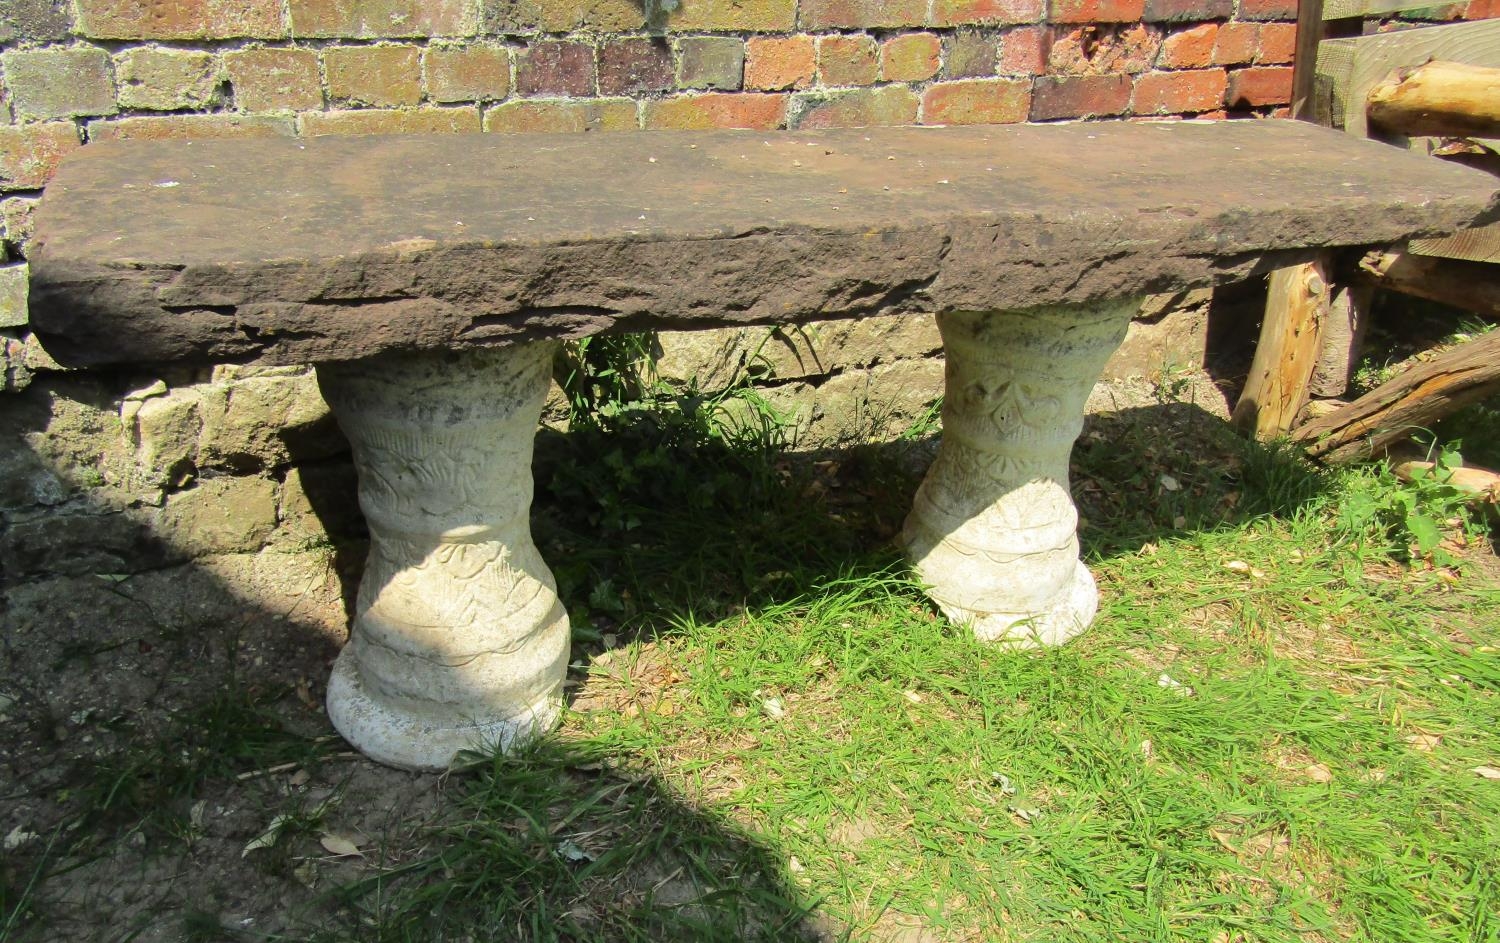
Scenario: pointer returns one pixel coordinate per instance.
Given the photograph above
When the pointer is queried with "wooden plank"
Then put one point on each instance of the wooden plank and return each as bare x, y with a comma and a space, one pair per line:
1290, 340
1468, 286
1414, 400
1344, 9
1304, 65
1348, 68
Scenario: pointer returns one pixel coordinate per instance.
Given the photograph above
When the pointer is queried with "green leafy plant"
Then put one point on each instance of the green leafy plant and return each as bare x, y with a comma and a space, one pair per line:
1412, 515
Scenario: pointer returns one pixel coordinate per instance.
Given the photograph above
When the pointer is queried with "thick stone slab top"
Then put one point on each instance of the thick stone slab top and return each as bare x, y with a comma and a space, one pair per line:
327, 249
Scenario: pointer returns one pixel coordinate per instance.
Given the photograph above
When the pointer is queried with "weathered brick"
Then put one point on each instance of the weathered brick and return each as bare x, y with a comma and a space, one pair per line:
180, 19
555, 68
977, 101
857, 108
721, 16
29, 154
275, 79
911, 57
1080, 96
375, 19
991, 12
18, 219
1173, 93
1024, 51
392, 121
752, 110
848, 60
635, 66
1101, 50
710, 62
1278, 43
13, 290
1187, 11
59, 82
374, 75
862, 14
466, 73
971, 56
599, 114
1236, 43
776, 63
190, 127
1259, 86
562, 16
34, 21
1482, 10
1268, 9
1095, 11
166, 79
1189, 49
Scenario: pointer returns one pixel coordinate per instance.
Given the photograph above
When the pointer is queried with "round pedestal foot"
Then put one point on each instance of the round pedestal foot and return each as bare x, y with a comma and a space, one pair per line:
1066, 618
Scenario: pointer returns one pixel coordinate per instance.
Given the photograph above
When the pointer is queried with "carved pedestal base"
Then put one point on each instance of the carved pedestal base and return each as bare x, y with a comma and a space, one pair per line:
459, 640
993, 532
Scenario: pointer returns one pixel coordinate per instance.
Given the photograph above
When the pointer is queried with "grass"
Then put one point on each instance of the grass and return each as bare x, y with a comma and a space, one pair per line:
1271, 733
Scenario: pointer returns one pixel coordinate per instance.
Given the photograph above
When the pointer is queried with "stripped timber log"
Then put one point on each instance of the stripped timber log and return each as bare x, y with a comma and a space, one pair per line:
1343, 335
1414, 400
1290, 340
1469, 286
1480, 484
1438, 98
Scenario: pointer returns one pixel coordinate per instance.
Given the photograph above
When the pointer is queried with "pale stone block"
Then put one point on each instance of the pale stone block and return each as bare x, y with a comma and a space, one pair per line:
13, 292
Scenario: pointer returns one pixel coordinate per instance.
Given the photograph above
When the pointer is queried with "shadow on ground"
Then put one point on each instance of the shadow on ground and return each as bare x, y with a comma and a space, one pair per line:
171, 775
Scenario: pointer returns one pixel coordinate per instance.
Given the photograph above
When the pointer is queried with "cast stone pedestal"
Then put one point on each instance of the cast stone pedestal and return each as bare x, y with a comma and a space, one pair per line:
993, 530
459, 640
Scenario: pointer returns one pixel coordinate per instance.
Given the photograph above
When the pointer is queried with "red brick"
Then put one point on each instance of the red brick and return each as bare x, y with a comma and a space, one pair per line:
776, 63
30, 153
180, 19
275, 79
1100, 50
751, 110
374, 75
374, 19
1278, 43
599, 114
1080, 96
1025, 51
1237, 43
725, 16
159, 79
711, 62
1261, 85
466, 73
635, 66
977, 101
555, 68
988, 12
59, 82
1482, 10
1189, 49
1178, 93
1095, 11
858, 108
971, 56
913, 57
562, 16
1268, 9
392, 121
861, 14
1187, 11
190, 127
848, 60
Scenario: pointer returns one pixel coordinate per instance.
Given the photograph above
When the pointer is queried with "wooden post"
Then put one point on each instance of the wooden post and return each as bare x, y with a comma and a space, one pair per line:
1445, 99
1304, 65
1290, 341
1469, 286
1343, 334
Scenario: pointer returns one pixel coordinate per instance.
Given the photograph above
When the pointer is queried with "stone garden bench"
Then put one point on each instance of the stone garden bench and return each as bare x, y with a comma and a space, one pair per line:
429, 279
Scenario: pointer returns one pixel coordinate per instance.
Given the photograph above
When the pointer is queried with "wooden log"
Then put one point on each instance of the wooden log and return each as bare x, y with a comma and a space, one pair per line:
1438, 98
1481, 484
1470, 286
1343, 335
1290, 339
1414, 400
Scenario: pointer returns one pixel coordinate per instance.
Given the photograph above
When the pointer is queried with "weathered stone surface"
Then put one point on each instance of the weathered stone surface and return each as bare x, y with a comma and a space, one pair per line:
277, 251
12, 295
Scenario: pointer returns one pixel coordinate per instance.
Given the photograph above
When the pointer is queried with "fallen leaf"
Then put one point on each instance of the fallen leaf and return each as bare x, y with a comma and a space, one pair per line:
1168, 483
1319, 773
268, 837
1173, 685
1488, 772
912, 696
1426, 742
340, 846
